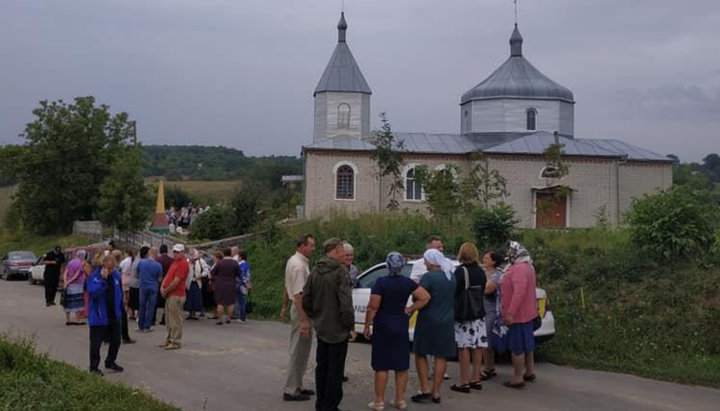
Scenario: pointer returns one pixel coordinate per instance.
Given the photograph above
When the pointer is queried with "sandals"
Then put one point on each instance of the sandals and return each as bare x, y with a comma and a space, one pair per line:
529, 378
486, 375
517, 386
399, 405
375, 406
475, 385
422, 397
465, 388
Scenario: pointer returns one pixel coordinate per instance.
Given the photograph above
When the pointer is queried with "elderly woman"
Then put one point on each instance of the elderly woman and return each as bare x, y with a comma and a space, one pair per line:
225, 273
389, 317
518, 309
492, 260
435, 328
73, 286
193, 285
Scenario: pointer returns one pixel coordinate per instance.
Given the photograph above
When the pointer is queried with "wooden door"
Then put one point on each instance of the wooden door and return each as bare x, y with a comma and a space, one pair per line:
551, 210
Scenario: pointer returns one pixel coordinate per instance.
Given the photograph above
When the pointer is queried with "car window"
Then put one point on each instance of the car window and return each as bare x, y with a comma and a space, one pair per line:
22, 256
368, 280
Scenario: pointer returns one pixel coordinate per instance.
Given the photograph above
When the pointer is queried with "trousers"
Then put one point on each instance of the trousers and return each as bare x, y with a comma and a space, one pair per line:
299, 350
51, 282
174, 318
148, 299
329, 374
97, 335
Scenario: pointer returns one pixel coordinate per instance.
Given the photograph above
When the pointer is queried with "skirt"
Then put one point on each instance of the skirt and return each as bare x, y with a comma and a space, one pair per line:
134, 300
74, 299
193, 300
471, 334
520, 339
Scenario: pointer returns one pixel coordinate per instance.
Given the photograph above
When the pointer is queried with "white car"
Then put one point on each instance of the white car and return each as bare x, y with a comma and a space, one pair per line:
37, 272
365, 281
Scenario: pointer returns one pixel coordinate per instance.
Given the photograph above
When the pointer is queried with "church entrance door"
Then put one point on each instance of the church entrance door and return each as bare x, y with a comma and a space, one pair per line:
551, 210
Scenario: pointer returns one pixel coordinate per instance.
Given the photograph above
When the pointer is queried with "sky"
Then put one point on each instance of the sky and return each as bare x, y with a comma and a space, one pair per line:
241, 73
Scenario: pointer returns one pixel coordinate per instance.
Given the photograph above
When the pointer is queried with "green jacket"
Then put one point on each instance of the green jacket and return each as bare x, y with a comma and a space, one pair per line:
327, 300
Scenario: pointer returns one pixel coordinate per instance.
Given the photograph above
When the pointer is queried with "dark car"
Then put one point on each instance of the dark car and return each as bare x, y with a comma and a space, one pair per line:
17, 264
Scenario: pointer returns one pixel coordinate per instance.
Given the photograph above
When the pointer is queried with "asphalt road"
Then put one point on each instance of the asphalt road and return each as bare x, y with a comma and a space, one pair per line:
241, 367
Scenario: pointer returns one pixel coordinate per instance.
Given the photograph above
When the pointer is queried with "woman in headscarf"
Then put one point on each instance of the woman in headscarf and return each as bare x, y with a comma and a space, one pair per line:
435, 328
73, 286
388, 315
518, 309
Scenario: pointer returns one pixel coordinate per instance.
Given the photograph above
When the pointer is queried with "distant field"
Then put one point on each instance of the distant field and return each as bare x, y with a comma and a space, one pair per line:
207, 191
5, 193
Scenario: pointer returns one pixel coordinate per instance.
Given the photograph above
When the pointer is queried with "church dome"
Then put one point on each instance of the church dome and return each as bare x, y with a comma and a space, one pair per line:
517, 78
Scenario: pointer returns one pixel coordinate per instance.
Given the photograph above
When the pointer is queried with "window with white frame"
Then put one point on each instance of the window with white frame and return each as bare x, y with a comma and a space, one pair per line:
345, 183
531, 119
413, 188
343, 117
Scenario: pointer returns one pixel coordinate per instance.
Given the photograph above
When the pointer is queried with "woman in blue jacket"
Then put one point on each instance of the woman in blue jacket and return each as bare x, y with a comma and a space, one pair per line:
104, 317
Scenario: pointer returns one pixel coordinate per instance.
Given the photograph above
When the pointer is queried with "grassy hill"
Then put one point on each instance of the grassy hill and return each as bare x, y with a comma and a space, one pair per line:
5, 195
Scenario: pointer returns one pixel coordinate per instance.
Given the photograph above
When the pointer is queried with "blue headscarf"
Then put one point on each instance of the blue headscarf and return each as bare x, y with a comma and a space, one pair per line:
395, 262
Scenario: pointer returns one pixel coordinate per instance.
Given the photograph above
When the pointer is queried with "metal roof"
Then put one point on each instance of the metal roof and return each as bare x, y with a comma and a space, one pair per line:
536, 143
436, 143
517, 78
342, 72
341, 143
632, 152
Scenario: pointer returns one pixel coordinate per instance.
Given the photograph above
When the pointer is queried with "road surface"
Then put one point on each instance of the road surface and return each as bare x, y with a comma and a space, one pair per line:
241, 367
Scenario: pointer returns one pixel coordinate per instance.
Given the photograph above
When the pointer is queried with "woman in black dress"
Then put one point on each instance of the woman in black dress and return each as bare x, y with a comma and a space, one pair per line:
388, 314
225, 274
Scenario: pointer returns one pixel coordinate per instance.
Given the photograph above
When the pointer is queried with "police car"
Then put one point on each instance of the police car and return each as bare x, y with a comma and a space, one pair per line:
365, 281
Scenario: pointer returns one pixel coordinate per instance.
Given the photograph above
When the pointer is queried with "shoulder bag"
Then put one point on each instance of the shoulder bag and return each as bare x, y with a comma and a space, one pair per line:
470, 305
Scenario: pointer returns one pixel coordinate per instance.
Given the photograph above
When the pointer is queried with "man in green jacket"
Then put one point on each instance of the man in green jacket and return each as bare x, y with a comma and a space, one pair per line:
327, 301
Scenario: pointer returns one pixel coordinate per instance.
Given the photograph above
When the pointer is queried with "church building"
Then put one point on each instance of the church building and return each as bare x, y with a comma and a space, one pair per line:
511, 117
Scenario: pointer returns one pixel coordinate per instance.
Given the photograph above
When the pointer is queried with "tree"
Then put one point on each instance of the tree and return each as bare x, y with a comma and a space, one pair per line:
125, 202
244, 207
442, 191
388, 155
482, 183
69, 150
494, 226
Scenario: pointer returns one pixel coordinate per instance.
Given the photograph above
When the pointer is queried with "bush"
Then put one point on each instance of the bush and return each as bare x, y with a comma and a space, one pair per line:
494, 226
176, 197
680, 222
244, 207
212, 224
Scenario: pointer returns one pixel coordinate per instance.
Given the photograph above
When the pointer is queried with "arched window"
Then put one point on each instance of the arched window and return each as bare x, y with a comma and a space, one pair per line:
549, 172
343, 117
413, 188
531, 119
345, 183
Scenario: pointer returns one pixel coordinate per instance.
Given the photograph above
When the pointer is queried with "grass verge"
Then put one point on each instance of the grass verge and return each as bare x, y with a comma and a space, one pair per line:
37, 244
33, 381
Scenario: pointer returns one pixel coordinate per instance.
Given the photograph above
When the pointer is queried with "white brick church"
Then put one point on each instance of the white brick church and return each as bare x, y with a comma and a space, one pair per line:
510, 117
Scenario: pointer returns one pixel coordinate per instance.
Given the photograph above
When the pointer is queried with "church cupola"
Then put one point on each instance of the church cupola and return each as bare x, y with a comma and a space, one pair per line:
342, 96
517, 98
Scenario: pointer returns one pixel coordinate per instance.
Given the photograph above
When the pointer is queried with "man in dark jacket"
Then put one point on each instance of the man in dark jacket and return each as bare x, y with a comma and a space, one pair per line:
327, 301
105, 312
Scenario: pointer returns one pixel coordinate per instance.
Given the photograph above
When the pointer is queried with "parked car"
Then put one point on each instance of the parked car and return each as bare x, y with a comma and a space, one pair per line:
365, 281
37, 271
17, 264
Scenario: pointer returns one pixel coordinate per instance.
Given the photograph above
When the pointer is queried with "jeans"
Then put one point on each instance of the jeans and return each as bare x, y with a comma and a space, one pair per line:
329, 374
241, 306
97, 335
148, 299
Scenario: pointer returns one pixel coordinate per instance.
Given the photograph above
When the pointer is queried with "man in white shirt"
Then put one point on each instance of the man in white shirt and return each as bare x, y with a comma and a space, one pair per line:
297, 271
419, 268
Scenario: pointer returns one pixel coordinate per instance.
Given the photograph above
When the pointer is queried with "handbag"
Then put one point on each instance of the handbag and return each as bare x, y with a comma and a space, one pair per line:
470, 304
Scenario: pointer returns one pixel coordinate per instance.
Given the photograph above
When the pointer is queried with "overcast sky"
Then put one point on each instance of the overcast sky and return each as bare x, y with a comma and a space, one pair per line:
241, 73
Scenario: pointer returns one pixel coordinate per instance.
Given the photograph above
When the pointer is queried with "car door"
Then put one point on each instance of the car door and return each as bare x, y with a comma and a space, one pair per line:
361, 293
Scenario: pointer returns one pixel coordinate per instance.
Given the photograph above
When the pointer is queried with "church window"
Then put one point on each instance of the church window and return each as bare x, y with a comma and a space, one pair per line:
531, 119
413, 188
345, 183
343, 118
549, 172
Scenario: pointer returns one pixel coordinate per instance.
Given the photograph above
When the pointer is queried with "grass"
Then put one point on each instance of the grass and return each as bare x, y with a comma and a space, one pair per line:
207, 192
37, 244
33, 381
5, 196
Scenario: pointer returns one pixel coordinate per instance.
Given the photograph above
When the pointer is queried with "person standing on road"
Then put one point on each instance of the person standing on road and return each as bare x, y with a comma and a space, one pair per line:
125, 268
53, 261
117, 254
491, 265
419, 269
435, 328
150, 273
388, 316
470, 330
193, 285
225, 275
73, 284
519, 309
165, 261
106, 302
353, 271
327, 301
173, 290
297, 271
244, 285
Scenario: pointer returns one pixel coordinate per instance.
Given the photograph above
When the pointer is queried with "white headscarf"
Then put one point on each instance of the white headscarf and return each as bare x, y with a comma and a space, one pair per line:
435, 257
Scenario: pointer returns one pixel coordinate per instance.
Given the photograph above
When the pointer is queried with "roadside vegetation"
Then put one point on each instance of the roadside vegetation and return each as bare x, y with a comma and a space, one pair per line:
33, 381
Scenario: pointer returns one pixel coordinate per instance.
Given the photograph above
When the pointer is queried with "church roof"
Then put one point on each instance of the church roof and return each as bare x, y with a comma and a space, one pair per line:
631, 152
342, 73
517, 78
536, 143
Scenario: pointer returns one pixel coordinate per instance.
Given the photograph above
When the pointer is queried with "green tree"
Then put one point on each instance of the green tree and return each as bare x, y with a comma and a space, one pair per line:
494, 226
70, 150
388, 156
482, 183
442, 191
212, 224
245, 208
125, 202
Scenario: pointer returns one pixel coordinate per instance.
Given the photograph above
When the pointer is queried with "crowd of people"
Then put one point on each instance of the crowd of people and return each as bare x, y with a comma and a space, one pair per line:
112, 289
485, 304
184, 216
